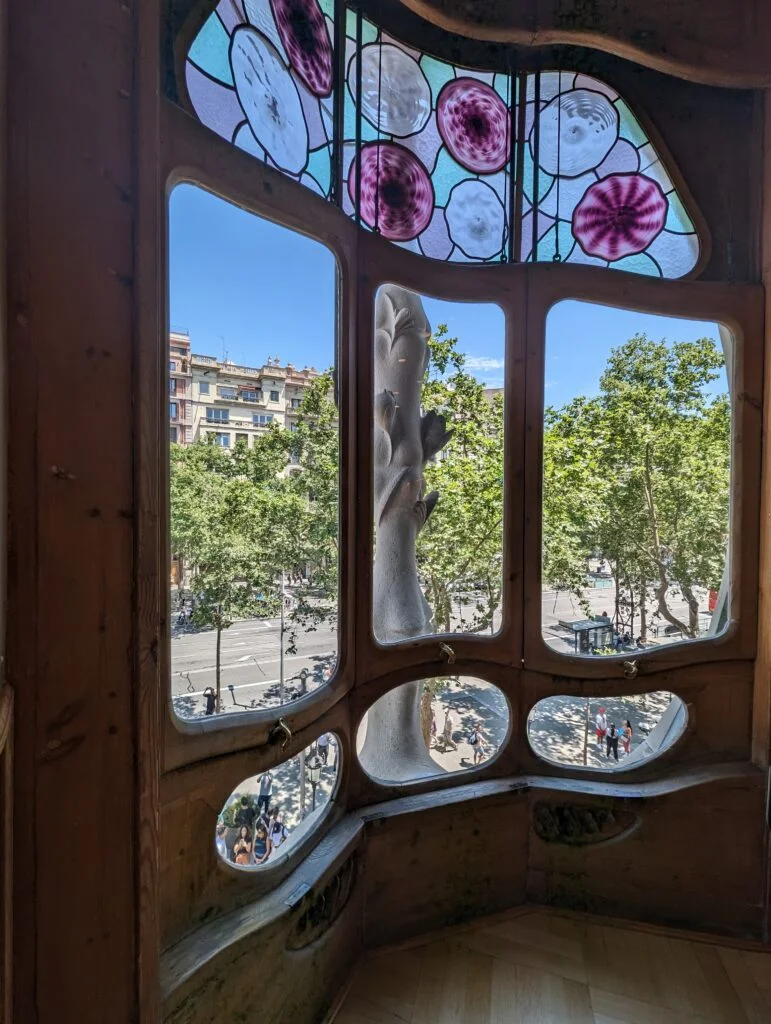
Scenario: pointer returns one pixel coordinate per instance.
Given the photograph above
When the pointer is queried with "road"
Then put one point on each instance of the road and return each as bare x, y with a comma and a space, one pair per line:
250, 664
250, 654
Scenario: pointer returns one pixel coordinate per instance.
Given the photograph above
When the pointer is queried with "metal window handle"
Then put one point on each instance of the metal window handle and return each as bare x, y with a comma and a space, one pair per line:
448, 652
282, 732
630, 669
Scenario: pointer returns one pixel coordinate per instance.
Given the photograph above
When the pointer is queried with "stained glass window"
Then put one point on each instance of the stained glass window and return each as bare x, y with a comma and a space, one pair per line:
260, 73
428, 148
600, 191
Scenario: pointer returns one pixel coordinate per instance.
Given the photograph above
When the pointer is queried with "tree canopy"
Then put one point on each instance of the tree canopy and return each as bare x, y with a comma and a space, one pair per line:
639, 474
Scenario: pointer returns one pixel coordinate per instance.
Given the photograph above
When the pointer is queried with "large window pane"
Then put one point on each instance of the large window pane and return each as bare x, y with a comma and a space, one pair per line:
438, 409
253, 494
636, 490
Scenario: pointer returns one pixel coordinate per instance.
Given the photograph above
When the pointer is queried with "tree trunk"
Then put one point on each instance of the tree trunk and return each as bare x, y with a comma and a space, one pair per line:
643, 610
426, 716
394, 749
217, 670
693, 610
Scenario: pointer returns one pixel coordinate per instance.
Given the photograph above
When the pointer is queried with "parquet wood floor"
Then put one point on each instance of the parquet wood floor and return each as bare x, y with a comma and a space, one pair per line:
541, 967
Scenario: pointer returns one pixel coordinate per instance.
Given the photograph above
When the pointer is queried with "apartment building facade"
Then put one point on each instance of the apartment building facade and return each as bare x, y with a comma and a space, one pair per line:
232, 403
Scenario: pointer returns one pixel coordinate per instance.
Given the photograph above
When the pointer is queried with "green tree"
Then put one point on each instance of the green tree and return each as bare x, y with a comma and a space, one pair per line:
460, 547
641, 474
230, 571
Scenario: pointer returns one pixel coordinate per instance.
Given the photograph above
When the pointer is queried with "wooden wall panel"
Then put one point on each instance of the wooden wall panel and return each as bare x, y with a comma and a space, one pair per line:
696, 861
443, 864
70, 296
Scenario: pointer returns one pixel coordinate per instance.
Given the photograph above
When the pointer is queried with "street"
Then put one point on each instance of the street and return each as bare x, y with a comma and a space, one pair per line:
250, 657
250, 663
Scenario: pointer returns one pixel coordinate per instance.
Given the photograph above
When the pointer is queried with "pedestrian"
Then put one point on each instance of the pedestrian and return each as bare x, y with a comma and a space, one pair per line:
245, 814
449, 728
477, 741
600, 726
432, 739
277, 832
242, 848
262, 844
222, 849
266, 787
211, 700
189, 613
627, 736
611, 742
322, 747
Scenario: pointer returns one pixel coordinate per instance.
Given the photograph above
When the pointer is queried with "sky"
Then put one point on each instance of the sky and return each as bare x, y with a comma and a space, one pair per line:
247, 289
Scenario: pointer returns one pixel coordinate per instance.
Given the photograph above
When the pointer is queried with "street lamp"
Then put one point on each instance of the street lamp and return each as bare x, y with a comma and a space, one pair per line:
314, 766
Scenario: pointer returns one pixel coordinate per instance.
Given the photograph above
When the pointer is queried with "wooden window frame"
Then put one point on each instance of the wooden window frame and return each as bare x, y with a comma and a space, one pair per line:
367, 669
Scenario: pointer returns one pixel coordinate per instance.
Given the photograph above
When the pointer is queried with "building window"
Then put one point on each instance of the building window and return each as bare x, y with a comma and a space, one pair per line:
218, 415
203, 387
274, 396
223, 440
250, 395
225, 392
172, 410
173, 435
242, 438
262, 419
172, 366
172, 387
296, 403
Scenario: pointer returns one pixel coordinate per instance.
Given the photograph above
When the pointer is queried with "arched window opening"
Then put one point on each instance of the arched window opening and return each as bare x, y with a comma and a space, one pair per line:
636, 480
438, 466
254, 455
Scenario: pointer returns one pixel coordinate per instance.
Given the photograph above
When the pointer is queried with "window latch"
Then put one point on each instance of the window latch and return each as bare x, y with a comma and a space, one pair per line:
448, 652
281, 732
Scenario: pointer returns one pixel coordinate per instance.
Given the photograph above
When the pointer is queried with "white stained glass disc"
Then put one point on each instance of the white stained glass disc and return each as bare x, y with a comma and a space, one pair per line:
270, 99
577, 130
394, 88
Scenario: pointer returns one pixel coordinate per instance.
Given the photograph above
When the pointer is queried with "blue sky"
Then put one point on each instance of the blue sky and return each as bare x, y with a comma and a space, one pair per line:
250, 289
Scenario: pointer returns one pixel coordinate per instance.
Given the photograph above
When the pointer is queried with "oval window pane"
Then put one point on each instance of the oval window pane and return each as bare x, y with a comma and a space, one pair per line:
636, 480
609, 734
271, 812
432, 726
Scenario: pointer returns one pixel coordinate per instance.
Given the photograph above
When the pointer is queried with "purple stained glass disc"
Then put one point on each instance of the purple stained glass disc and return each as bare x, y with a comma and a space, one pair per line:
474, 124
305, 36
396, 185
619, 216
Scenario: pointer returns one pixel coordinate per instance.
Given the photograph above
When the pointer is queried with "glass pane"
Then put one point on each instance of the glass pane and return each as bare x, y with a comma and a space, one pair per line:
270, 813
438, 466
603, 196
425, 156
447, 724
611, 734
254, 494
261, 76
433, 171
636, 488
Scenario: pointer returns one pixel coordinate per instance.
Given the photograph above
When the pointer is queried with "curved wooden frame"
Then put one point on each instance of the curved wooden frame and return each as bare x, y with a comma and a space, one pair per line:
738, 307
205, 759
